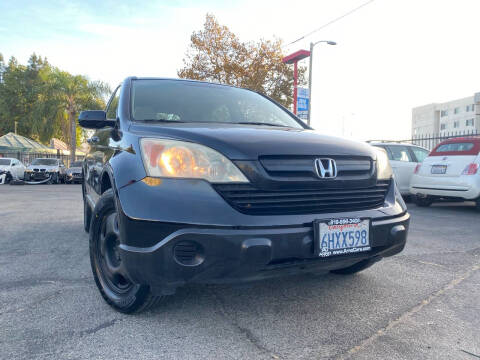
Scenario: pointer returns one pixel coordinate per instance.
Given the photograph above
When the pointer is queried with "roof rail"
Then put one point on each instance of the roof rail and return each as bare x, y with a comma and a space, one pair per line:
385, 141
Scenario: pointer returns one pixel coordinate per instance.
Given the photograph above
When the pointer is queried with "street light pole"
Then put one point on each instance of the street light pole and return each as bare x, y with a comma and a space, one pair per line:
310, 84
310, 76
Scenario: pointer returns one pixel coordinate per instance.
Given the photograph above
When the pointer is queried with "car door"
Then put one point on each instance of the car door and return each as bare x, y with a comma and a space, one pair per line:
100, 152
403, 165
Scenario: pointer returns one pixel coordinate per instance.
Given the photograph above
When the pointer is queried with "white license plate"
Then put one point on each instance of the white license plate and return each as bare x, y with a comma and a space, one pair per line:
439, 169
343, 236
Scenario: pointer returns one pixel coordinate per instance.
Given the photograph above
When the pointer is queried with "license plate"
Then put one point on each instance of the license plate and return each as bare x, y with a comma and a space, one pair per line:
439, 169
342, 236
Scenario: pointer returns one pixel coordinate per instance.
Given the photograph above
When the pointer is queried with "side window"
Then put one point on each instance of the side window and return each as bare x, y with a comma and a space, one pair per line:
389, 154
420, 153
113, 105
400, 153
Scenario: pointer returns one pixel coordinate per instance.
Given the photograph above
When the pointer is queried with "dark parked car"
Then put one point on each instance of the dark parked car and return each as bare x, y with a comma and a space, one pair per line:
74, 173
190, 181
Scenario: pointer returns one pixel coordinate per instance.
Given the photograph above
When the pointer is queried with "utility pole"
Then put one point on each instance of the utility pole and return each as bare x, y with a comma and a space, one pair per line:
16, 122
310, 75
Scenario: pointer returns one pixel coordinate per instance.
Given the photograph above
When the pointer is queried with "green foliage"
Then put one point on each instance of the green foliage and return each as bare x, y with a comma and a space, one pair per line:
216, 54
45, 101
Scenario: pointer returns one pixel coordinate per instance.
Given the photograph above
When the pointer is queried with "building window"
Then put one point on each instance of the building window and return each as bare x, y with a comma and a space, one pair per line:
456, 110
443, 126
444, 113
469, 122
473, 107
456, 124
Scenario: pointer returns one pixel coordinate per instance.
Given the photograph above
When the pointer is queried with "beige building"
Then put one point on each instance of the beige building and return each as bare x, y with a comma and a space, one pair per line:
456, 116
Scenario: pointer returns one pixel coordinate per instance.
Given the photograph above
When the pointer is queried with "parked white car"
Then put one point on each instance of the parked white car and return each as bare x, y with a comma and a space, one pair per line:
11, 168
450, 172
403, 160
46, 169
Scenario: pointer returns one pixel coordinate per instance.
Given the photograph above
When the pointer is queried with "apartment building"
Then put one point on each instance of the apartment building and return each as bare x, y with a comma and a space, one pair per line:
456, 116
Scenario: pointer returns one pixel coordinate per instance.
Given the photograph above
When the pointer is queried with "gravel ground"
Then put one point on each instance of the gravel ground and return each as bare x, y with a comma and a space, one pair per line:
421, 304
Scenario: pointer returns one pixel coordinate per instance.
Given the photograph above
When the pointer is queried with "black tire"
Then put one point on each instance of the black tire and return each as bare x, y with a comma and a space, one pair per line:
422, 201
477, 205
355, 268
115, 287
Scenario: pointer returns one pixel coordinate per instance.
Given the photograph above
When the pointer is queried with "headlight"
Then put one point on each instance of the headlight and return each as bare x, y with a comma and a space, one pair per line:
384, 170
180, 159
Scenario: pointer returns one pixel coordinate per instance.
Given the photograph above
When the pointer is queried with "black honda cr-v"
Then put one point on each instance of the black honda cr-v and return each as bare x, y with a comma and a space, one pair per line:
189, 181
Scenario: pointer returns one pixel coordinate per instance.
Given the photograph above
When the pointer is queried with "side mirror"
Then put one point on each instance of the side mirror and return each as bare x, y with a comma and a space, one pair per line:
94, 119
14, 164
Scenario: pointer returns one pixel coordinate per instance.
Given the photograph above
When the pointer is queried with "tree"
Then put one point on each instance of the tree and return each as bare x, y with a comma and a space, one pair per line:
216, 54
70, 94
45, 101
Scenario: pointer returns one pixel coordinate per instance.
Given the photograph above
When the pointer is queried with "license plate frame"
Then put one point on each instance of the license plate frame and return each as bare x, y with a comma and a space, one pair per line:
438, 169
341, 224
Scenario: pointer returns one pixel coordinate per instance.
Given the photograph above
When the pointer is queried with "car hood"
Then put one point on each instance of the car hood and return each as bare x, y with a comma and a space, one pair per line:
4, 167
248, 142
74, 169
41, 167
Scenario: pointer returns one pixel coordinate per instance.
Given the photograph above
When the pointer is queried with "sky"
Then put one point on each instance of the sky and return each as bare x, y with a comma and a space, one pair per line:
391, 55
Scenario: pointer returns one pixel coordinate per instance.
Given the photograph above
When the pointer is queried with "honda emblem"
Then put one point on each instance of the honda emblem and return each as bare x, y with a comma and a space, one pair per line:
326, 168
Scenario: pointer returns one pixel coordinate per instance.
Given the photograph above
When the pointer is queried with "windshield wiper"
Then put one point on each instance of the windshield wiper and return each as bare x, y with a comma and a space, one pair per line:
258, 123
162, 120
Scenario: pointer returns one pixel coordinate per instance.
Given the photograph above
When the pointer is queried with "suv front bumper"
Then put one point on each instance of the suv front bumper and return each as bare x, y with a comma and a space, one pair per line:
167, 242
230, 255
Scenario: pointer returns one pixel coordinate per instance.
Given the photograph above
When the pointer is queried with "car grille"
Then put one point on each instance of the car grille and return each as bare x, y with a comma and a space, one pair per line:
252, 201
302, 168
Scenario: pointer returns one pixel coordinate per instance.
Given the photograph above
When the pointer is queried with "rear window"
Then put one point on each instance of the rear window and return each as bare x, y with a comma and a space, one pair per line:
458, 147
455, 147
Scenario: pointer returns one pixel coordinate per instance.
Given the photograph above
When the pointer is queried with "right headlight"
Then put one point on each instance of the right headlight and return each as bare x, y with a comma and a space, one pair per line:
181, 159
384, 170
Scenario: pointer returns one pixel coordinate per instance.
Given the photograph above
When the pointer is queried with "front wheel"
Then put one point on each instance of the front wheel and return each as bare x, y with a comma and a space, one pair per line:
477, 204
107, 267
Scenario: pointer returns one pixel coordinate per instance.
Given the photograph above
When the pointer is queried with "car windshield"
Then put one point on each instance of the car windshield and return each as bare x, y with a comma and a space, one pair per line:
189, 101
49, 162
76, 164
4, 161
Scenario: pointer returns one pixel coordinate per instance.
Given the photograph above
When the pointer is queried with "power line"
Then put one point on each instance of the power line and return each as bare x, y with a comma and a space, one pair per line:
331, 22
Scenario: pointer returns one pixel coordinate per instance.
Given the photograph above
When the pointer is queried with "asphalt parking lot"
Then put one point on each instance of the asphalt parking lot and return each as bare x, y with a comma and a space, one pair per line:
421, 304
